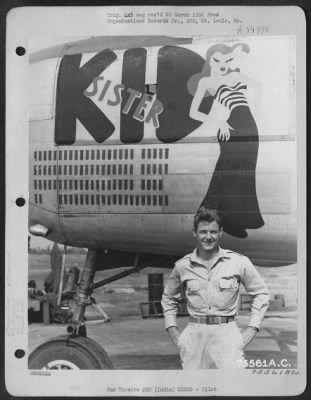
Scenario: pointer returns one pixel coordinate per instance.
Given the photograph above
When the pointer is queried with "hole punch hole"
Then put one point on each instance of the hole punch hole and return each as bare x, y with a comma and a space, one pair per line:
20, 202
19, 353
20, 51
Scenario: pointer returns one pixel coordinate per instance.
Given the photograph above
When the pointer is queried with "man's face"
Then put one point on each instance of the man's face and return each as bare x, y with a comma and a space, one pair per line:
207, 236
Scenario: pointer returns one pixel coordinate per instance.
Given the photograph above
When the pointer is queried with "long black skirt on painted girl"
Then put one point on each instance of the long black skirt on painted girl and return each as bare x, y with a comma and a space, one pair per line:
232, 189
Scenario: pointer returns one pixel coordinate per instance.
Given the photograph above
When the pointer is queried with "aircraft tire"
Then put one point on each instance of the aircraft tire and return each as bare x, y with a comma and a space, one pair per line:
66, 353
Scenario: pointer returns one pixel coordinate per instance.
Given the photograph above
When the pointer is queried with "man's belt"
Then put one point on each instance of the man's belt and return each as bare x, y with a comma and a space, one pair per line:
211, 320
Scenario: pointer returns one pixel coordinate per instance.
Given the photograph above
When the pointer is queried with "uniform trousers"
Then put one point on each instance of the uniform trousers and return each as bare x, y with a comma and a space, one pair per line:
217, 346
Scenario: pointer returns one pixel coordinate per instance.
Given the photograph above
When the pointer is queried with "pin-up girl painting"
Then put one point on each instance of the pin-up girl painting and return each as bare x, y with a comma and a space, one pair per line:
232, 188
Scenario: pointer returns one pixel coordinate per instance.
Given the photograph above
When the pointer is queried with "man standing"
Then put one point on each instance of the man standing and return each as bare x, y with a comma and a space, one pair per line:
210, 277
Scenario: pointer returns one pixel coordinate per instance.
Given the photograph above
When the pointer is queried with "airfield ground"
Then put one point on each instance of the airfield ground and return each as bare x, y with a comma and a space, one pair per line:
136, 343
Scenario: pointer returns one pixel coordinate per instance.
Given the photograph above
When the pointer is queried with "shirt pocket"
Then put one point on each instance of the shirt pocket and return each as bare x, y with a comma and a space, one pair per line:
193, 286
228, 287
230, 282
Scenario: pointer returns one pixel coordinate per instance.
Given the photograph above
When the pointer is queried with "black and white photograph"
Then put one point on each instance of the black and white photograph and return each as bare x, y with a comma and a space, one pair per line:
156, 219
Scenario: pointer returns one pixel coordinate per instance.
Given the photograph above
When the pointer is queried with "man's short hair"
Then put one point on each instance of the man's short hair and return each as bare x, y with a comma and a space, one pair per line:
207, 215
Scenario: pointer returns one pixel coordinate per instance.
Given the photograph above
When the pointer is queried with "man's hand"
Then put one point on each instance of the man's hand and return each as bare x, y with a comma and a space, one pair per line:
174, 333
248, 335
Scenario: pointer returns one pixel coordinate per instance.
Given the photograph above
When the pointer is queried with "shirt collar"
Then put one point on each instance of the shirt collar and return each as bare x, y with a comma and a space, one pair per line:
196, 259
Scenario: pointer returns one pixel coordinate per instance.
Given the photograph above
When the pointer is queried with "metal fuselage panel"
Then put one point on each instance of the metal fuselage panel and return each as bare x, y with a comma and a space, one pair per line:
139, 190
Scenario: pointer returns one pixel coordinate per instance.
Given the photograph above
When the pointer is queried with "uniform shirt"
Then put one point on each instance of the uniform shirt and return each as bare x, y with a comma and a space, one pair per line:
214, 290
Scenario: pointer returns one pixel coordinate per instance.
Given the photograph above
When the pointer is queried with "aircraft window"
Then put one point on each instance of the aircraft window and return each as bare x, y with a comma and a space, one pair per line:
166, 200
39, 155
103, 154
76, 185
44, 170
160, 153
126, 154
81, 185
131, 184
65, 154
40, 185
76, 199
54, 170
81, 155
108, 169
149, 154
98, 154
108, 200
143, 169
115, 154
131, 169
148, 184
160, 185
70, 199
166, 153
148, 169
65, 199
126, 199
120, 184
154, 200
103, 199
35, 156
97, 185
120, 200
70, 154
103, 169
155, 153
154, 183
60, 155
35, 184
86, 199
81, 199
166, 169
98, 199
50, 155
103, 185
120, 154
125, 169
114, 183
92, 154
143, 200
160, 169
35, 170
97, 169
120, 169
76, 154
92, 185
125, 185
36, 198
65, 169
55, 155
92, 169
109, 154
109, 185
70, 185
137, 200
114, 170
149, 200
50, 185
65, 184
86, 183
44, 155
86, 154
92, 200
154, 169
132, 154
143, 153
81, 169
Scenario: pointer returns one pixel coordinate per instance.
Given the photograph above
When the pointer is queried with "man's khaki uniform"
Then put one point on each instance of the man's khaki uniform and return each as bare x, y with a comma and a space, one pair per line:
213, 291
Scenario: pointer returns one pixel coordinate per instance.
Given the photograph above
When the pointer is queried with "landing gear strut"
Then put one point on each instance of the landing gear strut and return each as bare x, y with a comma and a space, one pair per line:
75, 351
